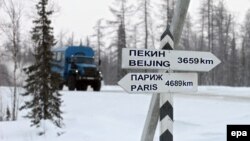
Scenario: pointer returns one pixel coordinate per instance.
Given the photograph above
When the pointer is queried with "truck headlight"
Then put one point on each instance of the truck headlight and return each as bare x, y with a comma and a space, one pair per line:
100, 74
76, 71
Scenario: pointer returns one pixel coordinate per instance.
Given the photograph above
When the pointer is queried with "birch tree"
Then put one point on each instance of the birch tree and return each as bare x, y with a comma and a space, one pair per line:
11, 29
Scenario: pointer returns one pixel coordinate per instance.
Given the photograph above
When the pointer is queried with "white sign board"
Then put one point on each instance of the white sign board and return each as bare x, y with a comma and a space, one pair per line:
168, 60
159, 82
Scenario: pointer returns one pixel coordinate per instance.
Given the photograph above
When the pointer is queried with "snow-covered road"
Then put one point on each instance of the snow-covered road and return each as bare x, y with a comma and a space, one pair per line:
112, 115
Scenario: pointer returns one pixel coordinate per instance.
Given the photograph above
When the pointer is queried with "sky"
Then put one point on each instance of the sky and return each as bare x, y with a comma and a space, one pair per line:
80, 16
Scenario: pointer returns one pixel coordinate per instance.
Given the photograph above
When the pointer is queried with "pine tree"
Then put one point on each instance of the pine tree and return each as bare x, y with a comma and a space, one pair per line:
42, 84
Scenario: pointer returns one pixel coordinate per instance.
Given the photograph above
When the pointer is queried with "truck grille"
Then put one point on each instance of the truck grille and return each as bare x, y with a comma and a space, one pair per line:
90, 72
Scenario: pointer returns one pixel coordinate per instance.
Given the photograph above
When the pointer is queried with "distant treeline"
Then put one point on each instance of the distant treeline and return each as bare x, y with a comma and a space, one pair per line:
139, 24
215, 30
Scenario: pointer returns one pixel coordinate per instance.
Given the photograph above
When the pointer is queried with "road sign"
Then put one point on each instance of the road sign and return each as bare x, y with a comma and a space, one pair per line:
168, 60
159, 82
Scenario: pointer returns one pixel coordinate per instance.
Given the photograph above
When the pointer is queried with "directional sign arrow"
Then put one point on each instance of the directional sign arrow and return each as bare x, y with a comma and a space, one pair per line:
168, 60
159, 82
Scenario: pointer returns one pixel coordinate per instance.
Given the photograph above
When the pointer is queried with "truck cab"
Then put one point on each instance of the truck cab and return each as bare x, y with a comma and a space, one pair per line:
77, 68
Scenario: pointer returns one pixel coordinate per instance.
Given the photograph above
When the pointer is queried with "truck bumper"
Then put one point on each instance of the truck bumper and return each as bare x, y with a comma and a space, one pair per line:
83, 78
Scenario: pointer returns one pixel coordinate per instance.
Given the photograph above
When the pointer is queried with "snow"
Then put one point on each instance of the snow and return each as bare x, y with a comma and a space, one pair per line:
112, 115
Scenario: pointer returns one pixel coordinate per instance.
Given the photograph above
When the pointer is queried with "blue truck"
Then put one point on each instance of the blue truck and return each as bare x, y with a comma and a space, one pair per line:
77, 68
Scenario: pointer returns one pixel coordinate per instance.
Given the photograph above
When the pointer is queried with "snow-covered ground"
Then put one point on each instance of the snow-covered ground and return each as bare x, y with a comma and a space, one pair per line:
113, 115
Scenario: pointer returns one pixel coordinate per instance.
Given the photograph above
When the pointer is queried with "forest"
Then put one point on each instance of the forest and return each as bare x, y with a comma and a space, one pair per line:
137, 24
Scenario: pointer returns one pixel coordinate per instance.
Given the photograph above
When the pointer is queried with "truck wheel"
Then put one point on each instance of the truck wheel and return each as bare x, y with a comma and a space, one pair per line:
71, 83
84, 87
78, 88
97, 86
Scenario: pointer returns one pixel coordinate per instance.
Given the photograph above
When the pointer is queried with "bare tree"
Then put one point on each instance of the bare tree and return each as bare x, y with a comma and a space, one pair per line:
234, 65
71, 40
202, 42
99, 34
121, 10
223, 28
215, 29
245, 50
167, 11
11, 29
185, 42
61, 38
135, 36
144, 9
145, 24
87, 41
102, 51
1, 109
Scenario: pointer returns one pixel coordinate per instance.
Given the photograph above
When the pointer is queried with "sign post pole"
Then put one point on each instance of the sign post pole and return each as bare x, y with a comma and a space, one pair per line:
176, 28
151, 121
166, 100
166, 117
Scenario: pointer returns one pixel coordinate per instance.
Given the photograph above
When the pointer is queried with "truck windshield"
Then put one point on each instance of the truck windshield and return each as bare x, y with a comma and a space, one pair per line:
83, 60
